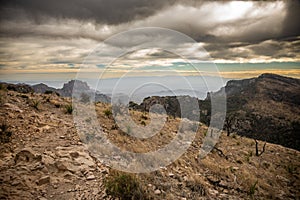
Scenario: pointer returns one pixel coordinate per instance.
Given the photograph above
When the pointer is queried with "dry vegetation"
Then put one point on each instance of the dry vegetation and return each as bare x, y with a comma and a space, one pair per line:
230, 171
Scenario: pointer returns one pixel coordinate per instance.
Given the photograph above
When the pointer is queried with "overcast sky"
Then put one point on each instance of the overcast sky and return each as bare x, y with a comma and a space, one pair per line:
39, 36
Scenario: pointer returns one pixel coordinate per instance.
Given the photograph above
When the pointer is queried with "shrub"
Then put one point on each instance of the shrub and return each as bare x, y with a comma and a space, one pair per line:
5, 134
69, 109
144, 117
107, 112
143, 123
196, 187
48, 92
128, 129
35, 103
124, 187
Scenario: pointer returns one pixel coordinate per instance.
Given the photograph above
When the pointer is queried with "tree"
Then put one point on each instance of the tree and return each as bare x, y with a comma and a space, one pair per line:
230, 121
256, 148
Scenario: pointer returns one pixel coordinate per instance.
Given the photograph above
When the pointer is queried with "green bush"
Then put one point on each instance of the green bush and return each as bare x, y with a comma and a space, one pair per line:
124, 187
69, 109
107, 113
35, 103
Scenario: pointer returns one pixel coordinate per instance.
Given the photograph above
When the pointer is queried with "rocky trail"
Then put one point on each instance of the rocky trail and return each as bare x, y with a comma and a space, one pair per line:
45, 159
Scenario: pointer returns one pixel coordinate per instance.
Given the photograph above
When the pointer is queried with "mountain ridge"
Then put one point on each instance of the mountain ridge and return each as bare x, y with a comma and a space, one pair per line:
268, 104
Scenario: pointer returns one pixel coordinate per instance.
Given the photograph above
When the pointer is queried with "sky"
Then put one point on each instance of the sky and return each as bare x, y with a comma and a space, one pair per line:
51, 40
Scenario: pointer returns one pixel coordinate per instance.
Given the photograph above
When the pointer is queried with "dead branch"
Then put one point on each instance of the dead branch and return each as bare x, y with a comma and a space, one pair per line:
221, 152
256, 148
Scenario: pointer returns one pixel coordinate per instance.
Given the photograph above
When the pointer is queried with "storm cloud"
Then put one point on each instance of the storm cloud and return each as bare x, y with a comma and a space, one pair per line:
100, 11
45, 33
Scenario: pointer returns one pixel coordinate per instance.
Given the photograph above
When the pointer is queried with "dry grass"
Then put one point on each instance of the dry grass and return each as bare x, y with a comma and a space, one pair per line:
244, 174
275, 172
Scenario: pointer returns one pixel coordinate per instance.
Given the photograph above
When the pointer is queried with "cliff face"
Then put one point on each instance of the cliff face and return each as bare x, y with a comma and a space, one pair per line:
181, 106
265, 108
80, 86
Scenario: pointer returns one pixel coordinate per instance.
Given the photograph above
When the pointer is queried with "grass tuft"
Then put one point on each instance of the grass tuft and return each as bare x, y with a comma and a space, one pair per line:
69, 109
124, 186
107, 113
253, 189
35, 103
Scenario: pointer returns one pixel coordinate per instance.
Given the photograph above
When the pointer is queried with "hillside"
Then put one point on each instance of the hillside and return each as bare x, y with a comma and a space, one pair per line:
42, 157
265, 108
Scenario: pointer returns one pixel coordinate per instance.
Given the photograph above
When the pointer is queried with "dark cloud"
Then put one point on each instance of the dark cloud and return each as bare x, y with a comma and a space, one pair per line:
227, 31
271, 49
102, 11
291, 25
197, 19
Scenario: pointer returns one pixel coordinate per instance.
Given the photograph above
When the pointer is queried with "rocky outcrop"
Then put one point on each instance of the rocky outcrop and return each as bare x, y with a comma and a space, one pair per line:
21, 88
265, 108
67, 90
81, 86
181, 106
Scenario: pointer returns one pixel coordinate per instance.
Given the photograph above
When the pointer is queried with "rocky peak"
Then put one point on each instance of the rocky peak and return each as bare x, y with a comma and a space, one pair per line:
80, 86
67, 90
